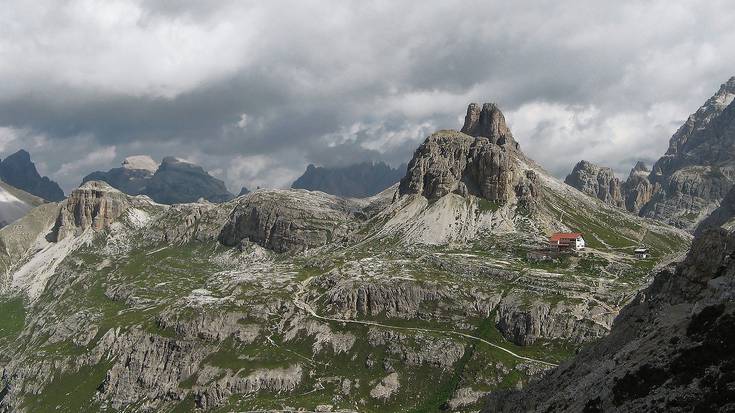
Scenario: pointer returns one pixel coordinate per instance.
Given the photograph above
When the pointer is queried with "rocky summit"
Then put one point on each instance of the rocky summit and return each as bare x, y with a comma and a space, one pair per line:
174, 181
483, 161
19, 171
424, 297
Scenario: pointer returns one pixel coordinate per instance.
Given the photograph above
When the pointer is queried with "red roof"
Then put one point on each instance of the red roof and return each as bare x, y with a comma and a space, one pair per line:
564, 235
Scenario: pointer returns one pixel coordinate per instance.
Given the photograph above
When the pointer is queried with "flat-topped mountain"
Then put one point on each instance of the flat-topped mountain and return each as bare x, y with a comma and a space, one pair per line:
19, 171
174, 181
357, 181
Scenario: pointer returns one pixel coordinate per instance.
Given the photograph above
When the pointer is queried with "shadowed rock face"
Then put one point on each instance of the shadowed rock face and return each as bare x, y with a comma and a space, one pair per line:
358, 181
596, 181
93, 205
484, 166
178, 181
671, 349
723, 216
18, 171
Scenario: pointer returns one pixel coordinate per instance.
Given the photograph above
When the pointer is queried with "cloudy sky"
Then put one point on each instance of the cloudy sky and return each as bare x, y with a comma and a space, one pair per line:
256, 90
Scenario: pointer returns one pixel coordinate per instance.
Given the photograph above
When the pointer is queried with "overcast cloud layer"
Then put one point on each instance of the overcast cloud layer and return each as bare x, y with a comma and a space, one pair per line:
254, 90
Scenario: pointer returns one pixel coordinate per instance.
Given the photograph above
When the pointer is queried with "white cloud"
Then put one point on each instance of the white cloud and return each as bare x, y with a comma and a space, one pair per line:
97, 159
261, 171
268, 87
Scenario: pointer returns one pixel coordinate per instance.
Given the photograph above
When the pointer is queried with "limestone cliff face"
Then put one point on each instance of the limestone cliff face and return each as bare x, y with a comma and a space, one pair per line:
93, 205
288, 220
698, 169
482, 160
671, 349
596, 181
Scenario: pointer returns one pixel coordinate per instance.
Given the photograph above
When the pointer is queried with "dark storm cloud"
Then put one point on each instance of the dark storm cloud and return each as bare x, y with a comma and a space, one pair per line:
254, 91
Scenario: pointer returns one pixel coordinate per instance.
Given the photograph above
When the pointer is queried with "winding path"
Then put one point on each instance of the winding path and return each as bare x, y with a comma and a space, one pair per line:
306, 307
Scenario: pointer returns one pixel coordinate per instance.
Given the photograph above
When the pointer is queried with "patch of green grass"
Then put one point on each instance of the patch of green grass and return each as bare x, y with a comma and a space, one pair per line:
13, 313
72, 392
487, 206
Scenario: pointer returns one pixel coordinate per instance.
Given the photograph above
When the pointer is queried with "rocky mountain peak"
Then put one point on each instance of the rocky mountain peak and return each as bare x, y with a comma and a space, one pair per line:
93, 205
697, 170
140, 162
482, 160
487, 122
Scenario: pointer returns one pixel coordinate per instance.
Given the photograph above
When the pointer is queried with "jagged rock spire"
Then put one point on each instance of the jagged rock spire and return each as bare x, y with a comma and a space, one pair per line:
487, 122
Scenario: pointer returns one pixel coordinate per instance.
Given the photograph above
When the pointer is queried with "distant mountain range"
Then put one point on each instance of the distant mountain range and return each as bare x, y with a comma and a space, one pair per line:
19, 171
689, 181
174, 181
357, 181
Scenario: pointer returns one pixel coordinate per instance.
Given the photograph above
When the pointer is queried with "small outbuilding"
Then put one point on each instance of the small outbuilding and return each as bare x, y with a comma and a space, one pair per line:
566, 241
642, 253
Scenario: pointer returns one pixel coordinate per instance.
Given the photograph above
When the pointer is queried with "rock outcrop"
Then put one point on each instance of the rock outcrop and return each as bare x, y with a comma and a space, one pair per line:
596, 181
356, 181
94, 205
293, 220
387, 386
524, 324
174, 181
671, 349
485, 165
18, 171
281, 380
